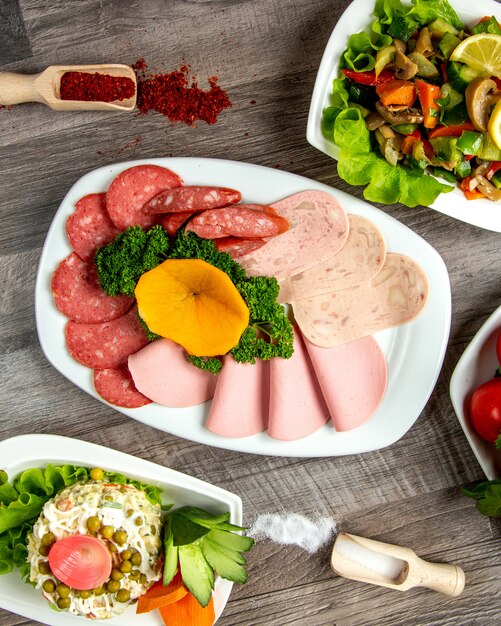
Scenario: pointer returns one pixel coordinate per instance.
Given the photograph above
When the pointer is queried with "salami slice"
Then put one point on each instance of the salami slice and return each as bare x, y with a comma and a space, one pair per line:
191, 199
237, 221
396, 295
172, 222
78, 294
237, 247
359, 260
132, 189
90, 226
106, 345
319, 229
117, 387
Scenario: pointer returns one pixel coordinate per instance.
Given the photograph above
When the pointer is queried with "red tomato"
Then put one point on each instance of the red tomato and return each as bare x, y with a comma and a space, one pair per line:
80, 561
485, 410
498, 348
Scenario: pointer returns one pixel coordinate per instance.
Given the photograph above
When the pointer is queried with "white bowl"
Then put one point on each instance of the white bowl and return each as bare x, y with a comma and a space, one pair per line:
477, 365
357, 17
20, 453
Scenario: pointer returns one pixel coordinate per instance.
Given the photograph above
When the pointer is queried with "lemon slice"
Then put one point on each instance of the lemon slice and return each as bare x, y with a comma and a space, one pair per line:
494, 126
481, 52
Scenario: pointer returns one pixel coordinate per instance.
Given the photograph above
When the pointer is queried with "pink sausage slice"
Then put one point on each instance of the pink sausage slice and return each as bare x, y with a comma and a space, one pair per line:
318, 230
192, 199
237, 246
240, 404
297, 407
117, 387
106, 345
358, 261
396, 295
132, 189
162, 372
352, 378
172, 222
90, 226
237, 221
78, 294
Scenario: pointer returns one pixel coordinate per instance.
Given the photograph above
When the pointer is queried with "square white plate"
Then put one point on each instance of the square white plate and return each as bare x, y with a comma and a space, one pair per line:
20, 453
357, 17
477, 365
414, 351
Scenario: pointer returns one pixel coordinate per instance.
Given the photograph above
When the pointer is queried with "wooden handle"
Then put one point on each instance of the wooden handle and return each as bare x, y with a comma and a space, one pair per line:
18, 88
443, 577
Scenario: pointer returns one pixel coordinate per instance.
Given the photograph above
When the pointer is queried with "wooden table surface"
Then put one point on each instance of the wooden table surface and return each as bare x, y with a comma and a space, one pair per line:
266, 54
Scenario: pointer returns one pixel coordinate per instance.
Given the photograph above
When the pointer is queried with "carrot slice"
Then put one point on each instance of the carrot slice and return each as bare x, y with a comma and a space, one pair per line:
397, 93
188, 612
428, 94
160, 595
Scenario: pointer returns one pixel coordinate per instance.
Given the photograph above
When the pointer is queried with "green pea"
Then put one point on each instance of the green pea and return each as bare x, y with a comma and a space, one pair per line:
138, 521
116, 574
135, 574
142, 579
98, 591
126, 567
120, 537
107, 532
44, 568
123, 595
136, 559
112, 586
63, 603
48, 539
44, 550
85, 593
96, 473
126, 554
112, 547
130, 512
49, 586
63, 591
93, 523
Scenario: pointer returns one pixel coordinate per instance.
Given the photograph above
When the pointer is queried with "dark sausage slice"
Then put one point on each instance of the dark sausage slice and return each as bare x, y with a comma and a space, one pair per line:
192, 199
90, 226
106, 345
236, 246
78, 294
132, 189
117, 387
172, 222
244, 221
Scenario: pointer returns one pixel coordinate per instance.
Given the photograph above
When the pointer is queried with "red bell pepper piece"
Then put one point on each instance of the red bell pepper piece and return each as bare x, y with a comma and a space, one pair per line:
409, 141
495, 166
428, 149
450, 131
428, 94
470, 195
369, 78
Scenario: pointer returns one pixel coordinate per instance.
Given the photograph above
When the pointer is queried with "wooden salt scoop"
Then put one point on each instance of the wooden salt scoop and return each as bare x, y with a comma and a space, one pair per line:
395, 567
44, 87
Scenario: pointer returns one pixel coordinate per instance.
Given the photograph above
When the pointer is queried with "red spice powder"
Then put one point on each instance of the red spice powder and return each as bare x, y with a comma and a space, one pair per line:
95, 87
172, 95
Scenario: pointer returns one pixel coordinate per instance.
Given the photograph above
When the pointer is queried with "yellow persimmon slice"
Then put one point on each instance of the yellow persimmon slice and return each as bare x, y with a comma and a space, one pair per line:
194, 304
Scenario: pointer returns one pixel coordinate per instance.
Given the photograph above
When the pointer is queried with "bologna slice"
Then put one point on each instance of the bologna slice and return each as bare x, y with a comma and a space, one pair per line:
358, 261
352, 378
162, 372
396, 295
318, 230
239, 220
240, 404
117, 387
106, 345
192, 199
90, 226
78, 294
237, 246
172, 222
297, 407
132, 189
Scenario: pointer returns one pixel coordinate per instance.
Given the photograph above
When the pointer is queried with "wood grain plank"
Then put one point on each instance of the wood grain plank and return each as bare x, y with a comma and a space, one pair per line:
15, 45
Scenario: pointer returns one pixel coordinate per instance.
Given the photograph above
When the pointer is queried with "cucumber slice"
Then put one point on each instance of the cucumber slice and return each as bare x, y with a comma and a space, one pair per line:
186, 531
230, 540
197, 574
442, 26
448, 43
171, 555
460, 75
223, 563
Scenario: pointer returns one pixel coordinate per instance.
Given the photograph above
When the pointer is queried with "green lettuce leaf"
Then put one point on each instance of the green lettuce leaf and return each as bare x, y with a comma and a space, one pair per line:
488, 496
425, 11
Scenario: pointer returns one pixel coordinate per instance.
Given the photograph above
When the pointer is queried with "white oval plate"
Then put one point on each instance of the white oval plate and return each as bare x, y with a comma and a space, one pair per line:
414, 352
357, 17
476, 366
20, 453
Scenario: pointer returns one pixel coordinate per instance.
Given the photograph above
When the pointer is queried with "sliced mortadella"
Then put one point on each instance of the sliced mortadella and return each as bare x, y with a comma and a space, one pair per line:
395, 296
318, 230
352, 377
358, 261
162, 372
297, 406
240, 404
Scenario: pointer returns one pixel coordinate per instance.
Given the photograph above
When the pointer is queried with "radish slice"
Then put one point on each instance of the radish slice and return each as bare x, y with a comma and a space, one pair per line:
80, 561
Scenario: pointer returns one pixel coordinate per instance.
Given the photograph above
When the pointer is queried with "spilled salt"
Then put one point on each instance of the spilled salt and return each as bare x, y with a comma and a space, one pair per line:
376, 562
294, 529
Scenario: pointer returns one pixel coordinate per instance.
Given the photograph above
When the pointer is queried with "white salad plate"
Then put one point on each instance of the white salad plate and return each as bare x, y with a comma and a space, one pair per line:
27, 451
357, 17
414, 351
476, 366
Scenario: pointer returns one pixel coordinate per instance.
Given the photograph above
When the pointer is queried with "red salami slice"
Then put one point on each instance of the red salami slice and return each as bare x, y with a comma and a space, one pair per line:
90, 226
132, 189
106, 345
192, 199
237, 221
236, 246
78, 294
173, 222
117, 387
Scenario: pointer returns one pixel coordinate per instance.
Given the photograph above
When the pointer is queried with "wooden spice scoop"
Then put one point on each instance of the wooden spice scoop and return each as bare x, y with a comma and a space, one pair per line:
44, 87
395, 567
